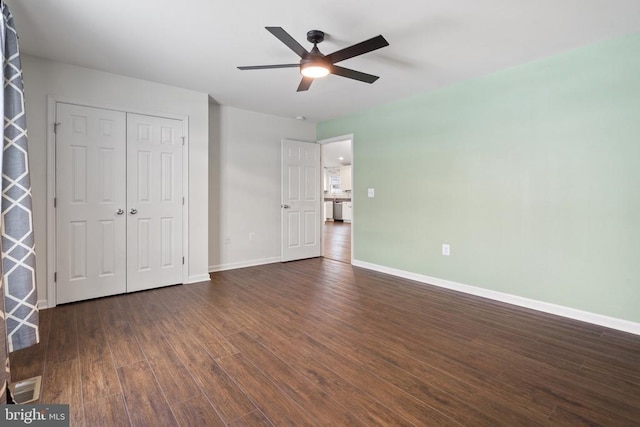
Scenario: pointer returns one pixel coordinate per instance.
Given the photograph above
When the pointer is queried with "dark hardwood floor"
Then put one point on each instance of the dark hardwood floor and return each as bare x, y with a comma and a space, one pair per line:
319, 342
337, 241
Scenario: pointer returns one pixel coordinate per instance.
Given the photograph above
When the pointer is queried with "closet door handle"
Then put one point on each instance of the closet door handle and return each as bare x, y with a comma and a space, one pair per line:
119, 212
133, 211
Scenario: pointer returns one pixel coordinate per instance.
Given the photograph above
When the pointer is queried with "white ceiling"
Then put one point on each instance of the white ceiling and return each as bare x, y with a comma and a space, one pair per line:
336, 153
197, 44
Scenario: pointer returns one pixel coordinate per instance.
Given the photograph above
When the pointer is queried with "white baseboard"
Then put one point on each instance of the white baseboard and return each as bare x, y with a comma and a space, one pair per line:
197, 278
243, 264
571, 313
42, 304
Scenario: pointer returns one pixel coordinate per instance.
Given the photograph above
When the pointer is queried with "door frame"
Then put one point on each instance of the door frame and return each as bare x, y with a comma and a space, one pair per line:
353, 195
52, 100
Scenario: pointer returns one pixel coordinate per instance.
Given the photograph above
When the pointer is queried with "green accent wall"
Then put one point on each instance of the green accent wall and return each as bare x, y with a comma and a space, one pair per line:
531, 174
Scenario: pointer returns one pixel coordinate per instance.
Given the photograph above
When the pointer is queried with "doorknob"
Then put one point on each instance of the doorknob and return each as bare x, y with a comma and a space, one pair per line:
133, 211
286, 206
119, 212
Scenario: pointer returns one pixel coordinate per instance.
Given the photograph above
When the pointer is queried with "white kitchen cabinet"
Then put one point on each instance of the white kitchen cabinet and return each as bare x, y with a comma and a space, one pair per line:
328, 210
347, 211
345, 178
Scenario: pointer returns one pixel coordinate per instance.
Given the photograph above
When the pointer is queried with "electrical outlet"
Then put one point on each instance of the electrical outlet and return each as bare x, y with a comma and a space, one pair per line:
252, 237
446, 250
371, 192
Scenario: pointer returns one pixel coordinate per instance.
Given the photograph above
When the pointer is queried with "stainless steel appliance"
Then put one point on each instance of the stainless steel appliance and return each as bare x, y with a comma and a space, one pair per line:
337, 210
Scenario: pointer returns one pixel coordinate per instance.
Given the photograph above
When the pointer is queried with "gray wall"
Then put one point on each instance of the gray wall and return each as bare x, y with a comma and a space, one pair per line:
244, 188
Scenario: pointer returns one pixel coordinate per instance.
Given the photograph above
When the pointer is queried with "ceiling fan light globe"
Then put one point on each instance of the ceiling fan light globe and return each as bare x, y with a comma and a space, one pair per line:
314, 70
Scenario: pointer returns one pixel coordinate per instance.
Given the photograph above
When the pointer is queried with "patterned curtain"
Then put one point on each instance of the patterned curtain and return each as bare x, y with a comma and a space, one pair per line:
19, 318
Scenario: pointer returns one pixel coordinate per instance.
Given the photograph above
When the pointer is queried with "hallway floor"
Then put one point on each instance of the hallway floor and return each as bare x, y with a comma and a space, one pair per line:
337, 241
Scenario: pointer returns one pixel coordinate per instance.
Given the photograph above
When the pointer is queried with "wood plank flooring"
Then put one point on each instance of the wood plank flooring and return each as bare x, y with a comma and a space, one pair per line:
337, 241
319, 342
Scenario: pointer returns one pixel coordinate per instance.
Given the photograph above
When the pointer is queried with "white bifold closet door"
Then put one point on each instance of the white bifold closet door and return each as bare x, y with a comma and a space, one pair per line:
154, 202
118, 202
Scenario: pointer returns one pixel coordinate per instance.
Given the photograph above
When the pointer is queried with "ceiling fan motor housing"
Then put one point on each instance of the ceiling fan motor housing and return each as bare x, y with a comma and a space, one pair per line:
314, 56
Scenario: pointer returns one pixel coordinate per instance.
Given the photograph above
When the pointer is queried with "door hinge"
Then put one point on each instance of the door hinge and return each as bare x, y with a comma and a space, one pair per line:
55, 276
55, 202
55, 127
183, 201
182, 139
182, 260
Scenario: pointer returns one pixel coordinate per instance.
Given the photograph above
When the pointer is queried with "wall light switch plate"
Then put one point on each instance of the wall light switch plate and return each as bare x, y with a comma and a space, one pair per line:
446, 250
371, 192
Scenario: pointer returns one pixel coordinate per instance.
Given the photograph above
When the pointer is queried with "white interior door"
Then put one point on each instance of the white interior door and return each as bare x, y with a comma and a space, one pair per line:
154, 202
301, 200
90, 202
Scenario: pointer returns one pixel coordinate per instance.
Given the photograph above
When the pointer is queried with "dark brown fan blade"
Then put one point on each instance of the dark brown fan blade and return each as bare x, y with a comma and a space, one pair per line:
305, 83
265, 67
285, 38
353, 74
357, 49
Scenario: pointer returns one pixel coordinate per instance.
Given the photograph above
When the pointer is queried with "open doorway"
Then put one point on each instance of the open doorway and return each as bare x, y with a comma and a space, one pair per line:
337, 162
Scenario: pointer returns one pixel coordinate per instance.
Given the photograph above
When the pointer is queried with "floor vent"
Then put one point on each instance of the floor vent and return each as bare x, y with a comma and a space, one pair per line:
26, 391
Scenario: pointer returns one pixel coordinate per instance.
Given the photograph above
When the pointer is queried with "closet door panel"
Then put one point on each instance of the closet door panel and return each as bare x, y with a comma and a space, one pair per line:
154, 202
90, 193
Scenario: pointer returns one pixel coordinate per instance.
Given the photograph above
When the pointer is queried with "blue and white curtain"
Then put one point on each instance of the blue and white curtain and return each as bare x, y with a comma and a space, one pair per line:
18, 283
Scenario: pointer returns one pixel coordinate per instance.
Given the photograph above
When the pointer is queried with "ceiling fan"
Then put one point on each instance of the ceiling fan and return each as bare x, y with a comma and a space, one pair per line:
313, 64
